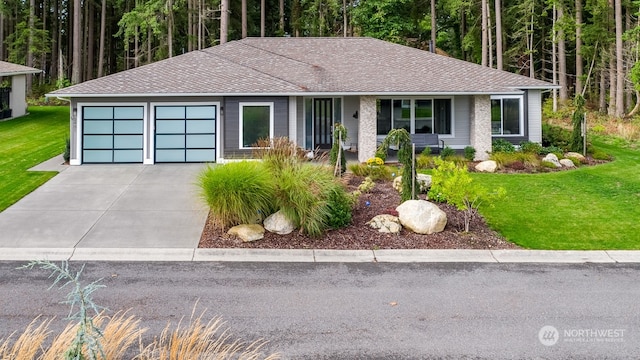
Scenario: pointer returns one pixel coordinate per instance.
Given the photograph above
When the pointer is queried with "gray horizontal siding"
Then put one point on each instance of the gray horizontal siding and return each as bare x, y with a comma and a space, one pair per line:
231, 122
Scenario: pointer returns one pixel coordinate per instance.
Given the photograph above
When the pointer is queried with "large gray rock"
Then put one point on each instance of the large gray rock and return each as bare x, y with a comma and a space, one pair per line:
552, 158
278, 223
386, 223
567, 163
421, 216
424, 181
247, 232
489, 166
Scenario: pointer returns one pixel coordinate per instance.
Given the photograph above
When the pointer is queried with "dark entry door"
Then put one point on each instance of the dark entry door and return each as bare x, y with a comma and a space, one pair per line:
322, 122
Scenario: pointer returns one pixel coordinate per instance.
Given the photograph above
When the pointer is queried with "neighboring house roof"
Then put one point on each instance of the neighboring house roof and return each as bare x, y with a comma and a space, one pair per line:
9, 69
299, 66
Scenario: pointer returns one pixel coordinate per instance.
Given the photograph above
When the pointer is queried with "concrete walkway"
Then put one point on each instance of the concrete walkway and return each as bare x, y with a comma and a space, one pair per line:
153, 213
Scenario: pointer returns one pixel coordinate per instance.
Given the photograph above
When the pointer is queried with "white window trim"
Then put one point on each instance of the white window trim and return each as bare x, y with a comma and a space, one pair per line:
521, 111
412, 111
152, 126
241, 107
80, 122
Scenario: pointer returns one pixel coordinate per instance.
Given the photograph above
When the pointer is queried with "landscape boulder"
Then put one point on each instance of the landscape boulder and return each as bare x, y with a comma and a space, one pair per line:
386, 223
552, 158
489, 166
421, 216
574, 155
424, 181
279, 224
247, 232
567, 163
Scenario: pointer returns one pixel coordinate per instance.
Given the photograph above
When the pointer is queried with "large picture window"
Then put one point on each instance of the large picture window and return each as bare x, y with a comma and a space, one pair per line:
256, 122
506, 116
417, 116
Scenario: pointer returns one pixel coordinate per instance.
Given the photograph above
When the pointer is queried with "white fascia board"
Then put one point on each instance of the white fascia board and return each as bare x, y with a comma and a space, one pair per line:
21, 73
304, 94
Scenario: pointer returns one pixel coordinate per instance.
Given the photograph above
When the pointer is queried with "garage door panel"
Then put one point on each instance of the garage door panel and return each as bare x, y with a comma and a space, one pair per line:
201, 141
130, 112
98, 112
127, 156
170, 155
201, 155
97, 156
128, 127
98, 141
201, 126
127, 142
170, 126
98, 127
201, 112
170, 112
170, 141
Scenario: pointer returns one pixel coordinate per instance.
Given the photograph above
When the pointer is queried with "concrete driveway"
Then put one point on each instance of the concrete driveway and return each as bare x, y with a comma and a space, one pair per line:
109, 206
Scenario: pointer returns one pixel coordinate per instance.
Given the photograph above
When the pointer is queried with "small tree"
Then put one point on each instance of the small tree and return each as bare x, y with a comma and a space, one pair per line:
454, 185
402, 139
577, 141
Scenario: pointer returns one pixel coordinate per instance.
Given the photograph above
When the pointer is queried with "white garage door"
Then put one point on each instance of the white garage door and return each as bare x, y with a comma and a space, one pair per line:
185, 133
112, 134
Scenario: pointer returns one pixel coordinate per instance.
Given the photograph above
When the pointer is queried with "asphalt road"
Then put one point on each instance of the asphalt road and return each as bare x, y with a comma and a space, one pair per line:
369, 310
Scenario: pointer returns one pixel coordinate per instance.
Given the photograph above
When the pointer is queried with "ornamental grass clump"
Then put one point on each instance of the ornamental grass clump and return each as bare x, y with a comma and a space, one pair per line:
238, 193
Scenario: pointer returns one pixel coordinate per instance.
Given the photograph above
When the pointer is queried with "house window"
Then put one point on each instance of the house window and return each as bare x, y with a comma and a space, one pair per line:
256, 122
417, 116
506, 116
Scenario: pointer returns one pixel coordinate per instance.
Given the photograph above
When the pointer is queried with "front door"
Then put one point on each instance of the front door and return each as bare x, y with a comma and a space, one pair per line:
322, 123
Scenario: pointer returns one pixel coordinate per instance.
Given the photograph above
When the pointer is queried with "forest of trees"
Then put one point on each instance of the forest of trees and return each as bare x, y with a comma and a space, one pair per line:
587, 47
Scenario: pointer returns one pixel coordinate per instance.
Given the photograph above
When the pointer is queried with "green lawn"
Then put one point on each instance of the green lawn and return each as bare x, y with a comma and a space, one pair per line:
26, 142
594, 207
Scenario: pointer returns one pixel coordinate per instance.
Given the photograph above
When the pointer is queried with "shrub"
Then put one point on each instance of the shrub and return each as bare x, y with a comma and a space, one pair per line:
531, 147
503, 146
405, 157
279, 152
424, 162
551, 150
600, 155
340, 206
530, 160
374, 172
548, 164
237, 192
517, 165
453, 184
66, 155
555, 136
367, 185
447, 152
381, 153
503, 159
302, 194
426, 151
469, 153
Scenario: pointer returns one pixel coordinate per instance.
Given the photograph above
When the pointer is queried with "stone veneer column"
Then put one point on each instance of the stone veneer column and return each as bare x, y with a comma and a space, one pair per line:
367, 134
480, 127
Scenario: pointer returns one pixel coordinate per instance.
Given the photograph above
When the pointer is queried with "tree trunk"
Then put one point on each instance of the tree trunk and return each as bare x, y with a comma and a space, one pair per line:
243, 11
32, 19
90, 36
562, 58
433, 46
262, 18
149, 37
612, 83
55, 44
224, 20
281, 16
77, 43
2, 56
530, 45
103, 26
602, 89
170, 26
619, 62
579, 62
489, 36
554, 58
499, 36
484, 30
190, 33
344, 17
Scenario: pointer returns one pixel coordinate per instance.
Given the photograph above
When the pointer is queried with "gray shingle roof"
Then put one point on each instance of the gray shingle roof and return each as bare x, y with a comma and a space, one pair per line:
8, 69
290, 66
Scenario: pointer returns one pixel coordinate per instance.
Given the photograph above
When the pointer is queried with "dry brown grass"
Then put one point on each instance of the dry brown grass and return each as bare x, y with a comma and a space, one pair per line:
121, 331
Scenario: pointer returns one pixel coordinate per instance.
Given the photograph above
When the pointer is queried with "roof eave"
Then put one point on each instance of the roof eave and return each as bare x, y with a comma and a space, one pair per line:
20, 73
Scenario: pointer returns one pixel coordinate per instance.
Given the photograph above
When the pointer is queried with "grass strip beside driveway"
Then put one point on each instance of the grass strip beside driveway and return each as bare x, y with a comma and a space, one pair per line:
588, 208
26, 142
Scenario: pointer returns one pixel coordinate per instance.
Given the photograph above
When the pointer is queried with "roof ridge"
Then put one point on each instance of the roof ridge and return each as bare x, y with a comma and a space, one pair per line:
251, 67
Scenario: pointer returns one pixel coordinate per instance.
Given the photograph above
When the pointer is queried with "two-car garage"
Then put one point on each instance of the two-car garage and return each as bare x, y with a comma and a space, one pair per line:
119, 133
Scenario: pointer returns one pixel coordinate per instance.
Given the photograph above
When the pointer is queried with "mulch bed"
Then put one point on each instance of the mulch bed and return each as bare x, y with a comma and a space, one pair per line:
359, 236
